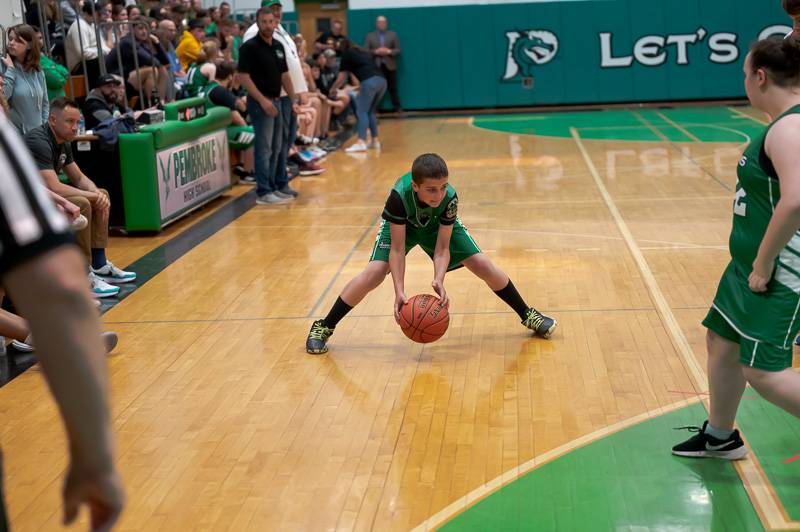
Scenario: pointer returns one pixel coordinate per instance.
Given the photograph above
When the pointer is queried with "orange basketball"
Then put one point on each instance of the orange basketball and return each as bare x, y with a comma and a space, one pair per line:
424, 319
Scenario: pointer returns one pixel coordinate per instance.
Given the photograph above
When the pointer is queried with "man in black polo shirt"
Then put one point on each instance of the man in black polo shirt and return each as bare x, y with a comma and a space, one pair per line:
50, 146
262, 71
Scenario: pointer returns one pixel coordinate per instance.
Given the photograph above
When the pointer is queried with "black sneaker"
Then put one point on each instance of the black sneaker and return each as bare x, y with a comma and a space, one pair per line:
703, 445
540, 324
317, 337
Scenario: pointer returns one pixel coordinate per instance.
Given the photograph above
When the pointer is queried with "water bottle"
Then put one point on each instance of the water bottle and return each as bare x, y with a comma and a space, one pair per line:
81, 126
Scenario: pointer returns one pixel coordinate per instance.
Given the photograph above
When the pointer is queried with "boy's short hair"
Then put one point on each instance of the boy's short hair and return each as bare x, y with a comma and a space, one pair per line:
428, 165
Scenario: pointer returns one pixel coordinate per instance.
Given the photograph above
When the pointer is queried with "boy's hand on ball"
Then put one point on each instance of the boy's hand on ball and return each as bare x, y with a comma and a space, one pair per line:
438, 286
400, 299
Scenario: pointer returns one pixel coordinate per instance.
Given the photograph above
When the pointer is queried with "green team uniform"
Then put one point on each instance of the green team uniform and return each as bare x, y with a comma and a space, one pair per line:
239, 137
422, 224
763, 324
196, 81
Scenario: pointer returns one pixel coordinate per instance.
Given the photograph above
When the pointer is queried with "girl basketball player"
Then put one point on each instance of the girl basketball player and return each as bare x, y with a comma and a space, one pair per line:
756, 312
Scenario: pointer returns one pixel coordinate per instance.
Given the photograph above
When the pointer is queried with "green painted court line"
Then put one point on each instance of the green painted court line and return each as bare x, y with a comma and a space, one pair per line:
628, 479
704, 124
774, 436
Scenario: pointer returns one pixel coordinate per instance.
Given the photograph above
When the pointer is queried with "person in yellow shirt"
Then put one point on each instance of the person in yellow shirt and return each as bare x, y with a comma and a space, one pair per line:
189, 47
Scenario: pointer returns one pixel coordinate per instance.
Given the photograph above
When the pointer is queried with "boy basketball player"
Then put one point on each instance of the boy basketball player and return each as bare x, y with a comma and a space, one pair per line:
422, 210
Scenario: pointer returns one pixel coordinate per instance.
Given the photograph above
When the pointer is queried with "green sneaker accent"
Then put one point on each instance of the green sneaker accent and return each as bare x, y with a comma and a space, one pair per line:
317, 337
540, 324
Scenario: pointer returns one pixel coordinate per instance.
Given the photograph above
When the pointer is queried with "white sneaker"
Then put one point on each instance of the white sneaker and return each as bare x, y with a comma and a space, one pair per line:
271, 199
22, 347
110, 340
283, 195
111, 274
375, 144
100, 288
80, 223
358, 146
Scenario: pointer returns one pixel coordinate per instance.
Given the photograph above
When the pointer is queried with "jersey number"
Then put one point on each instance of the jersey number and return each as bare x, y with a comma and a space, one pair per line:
739, 206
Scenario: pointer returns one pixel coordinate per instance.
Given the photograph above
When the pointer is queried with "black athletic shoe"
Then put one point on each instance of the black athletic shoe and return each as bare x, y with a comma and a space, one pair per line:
540, 324
317, 337
703, 445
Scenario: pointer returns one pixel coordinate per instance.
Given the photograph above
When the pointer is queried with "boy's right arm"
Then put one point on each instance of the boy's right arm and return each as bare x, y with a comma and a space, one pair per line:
397, 265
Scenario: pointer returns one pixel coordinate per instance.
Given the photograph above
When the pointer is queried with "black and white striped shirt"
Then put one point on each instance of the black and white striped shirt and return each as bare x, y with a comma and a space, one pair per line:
30, 224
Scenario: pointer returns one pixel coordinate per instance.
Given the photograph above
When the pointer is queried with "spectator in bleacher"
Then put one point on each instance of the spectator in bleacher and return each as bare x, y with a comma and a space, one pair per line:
69, 12
240, 135
359, 62
204, 69
119, 30
167, 32
287, 123
328, 107
133, 11
341, 100
331, 39
385, 47
263, 71
213, 15
229, 40
52, 152
55, 74
311, 100
189, 47
16, 329
101, 101
49, 16
151, 76
195, 7
224, 11
178, 16
82, 46
24, 87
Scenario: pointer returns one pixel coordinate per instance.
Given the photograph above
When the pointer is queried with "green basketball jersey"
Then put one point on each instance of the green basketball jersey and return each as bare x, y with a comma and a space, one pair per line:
421, 217
757, 194
195, 80
205, 91
772, 316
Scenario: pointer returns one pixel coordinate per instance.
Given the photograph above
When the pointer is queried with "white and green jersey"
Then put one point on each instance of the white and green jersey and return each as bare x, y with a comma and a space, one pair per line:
773, 316
757, 193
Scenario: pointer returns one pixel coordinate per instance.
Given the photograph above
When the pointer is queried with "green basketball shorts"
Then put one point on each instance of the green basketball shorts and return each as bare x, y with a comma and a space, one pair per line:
763, 324
462, 246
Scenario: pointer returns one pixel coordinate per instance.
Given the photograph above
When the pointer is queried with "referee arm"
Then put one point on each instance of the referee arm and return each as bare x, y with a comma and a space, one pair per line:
45, 275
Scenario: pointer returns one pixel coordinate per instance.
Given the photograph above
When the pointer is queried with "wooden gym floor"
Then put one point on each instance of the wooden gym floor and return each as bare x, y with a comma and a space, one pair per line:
614, 222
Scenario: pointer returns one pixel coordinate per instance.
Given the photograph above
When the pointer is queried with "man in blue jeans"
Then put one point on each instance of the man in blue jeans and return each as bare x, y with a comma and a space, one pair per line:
262, 71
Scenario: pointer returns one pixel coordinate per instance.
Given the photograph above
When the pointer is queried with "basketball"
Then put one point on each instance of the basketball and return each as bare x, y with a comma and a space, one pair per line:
423, 318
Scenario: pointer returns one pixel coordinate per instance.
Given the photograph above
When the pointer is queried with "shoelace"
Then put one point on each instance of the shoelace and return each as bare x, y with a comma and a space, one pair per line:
534, 319
689, 428
320, 332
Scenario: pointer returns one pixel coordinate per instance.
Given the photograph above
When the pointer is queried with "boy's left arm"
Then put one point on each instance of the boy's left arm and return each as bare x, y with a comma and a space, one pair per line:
441, 259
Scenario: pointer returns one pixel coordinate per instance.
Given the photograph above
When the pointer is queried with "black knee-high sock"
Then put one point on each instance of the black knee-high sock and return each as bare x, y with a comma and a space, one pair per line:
338, 311
512, 298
